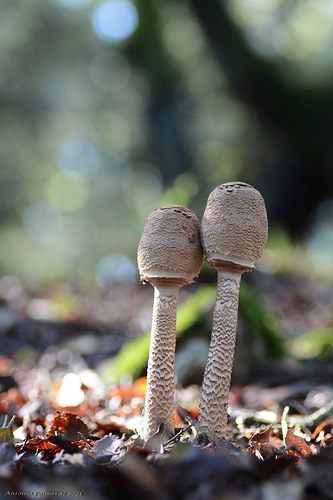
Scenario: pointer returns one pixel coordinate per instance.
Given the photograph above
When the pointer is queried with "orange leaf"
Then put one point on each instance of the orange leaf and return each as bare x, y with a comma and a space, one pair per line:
300, 449
40, 444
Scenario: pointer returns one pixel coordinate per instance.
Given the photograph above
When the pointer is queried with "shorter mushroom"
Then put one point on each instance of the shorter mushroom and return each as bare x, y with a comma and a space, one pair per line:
169, 257
234, 233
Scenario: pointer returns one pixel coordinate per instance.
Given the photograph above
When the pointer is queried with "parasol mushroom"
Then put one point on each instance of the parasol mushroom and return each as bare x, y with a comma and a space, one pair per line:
234, 233
169, 257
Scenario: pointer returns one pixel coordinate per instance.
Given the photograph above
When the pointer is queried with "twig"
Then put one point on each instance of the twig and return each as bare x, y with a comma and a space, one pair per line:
318, 416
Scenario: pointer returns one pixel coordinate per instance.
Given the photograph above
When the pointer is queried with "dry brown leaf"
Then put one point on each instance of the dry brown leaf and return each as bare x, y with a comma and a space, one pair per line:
69, 425
262, 436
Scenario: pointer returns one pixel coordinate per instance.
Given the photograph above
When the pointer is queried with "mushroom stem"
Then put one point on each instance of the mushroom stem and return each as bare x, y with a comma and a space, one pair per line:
159, 403
213, 410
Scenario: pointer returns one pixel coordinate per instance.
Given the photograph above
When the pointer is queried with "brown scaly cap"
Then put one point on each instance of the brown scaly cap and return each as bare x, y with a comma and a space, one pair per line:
170, 245
234, 227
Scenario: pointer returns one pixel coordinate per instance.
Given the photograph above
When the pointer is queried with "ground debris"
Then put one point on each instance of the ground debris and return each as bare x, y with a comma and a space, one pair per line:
95, 448
65, 432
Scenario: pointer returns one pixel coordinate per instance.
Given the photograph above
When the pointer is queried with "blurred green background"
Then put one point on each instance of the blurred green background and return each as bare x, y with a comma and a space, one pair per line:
111, 108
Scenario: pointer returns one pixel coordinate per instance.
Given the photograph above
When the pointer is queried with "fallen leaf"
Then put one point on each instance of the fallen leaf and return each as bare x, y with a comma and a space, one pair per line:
6, 435
299, 448
262, 436
109, 449
69, 425
260, 444
154, 443
38, 444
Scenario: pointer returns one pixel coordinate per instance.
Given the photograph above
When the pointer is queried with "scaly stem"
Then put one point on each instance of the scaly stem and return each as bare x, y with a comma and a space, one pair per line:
213, 410
159, 403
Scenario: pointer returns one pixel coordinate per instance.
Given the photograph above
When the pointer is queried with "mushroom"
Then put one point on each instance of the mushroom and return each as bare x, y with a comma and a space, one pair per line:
169, 257
234, 233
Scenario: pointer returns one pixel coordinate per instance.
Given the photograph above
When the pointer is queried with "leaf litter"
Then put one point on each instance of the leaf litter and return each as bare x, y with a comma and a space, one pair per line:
95, 448
78, 436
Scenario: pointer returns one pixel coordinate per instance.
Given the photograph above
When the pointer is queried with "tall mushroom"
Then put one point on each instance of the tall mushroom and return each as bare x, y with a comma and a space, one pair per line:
234, 233
169, 256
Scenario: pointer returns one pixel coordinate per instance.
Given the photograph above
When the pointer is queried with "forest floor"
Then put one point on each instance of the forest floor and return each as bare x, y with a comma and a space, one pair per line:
64, 431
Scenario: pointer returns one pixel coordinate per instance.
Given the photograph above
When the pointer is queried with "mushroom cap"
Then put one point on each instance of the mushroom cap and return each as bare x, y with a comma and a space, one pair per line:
234, 227
170, 245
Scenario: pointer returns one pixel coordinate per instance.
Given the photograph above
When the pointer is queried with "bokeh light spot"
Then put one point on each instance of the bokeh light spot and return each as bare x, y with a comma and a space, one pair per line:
142, 186
115, 20
70, 392
66, 193
77, 156
183, 37
42, 222
115, 269
275, 29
